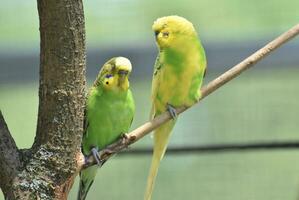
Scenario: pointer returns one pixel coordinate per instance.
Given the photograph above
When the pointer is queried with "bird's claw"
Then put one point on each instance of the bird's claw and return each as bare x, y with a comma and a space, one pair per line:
96, 155
109, 151
172, 111
123, 138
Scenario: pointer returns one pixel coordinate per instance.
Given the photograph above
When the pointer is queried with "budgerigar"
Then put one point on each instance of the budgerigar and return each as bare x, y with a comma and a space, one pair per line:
178, 76
109, 113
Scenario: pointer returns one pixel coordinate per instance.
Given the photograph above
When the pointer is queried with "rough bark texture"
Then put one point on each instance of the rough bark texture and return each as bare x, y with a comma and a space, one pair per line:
62, 70
54, 160
10, 160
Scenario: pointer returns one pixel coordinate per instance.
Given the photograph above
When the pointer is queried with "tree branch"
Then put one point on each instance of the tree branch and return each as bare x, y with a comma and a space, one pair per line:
146, 128
53, 160
9, 157
220, 148
62, 72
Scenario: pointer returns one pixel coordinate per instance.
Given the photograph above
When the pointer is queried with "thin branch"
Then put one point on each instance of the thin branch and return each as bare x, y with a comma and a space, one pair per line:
219, 148
9, 156
146, 128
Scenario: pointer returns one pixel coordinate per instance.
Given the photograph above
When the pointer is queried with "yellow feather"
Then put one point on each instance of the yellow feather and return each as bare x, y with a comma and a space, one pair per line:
178, 75
160, 144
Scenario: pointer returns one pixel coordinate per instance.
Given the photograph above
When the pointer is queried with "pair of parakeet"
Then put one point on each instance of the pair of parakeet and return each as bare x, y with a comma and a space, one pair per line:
178, 75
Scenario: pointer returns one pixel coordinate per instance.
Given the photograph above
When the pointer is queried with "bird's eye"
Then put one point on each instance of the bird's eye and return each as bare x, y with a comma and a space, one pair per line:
108, 76
156, 33
165, 34
107, 82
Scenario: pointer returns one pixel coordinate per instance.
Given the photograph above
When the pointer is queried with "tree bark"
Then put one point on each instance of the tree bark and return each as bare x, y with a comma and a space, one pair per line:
10, 159
50, 166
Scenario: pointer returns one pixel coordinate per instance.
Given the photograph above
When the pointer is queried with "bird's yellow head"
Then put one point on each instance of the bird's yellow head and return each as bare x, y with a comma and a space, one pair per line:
115, 73
170, 31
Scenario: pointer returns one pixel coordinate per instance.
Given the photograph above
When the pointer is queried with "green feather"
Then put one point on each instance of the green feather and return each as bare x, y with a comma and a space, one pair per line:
110, 110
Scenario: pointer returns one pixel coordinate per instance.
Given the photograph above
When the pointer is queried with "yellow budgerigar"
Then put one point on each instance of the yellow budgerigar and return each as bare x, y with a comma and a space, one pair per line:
178, 76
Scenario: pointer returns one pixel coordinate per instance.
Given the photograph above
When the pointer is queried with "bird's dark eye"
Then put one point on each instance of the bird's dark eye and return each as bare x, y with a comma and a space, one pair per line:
107, 82
156, 33
108, 76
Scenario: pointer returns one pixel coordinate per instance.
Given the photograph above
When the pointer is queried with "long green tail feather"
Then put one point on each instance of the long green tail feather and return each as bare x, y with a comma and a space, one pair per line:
86, 180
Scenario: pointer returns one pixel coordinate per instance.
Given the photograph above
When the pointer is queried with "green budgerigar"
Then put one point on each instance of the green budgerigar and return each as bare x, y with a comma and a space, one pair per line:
178, 76
110, 110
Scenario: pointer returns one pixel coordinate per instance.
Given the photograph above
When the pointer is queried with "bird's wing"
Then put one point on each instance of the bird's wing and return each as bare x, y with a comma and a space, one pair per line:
155, 84
85, 123
106, 69
103, 72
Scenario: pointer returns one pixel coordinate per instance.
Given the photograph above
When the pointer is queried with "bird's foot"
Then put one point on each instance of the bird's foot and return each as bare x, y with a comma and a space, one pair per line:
96, 155
108, 151
123, 138
172, 111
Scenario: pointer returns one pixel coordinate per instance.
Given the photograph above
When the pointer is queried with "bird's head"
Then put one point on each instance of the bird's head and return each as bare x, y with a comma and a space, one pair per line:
115, 74
170, 31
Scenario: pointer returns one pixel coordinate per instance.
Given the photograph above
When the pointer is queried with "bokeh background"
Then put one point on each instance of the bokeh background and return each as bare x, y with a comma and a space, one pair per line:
260, 105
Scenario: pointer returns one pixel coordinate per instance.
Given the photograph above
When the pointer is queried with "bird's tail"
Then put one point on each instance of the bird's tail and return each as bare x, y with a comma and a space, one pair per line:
86, 180
161, 137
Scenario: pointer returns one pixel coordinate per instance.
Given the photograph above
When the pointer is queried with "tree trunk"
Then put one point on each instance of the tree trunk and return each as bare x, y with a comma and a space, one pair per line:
48, 169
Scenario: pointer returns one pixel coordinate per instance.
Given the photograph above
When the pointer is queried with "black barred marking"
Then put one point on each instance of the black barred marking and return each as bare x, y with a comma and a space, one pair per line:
205, 72
157, 69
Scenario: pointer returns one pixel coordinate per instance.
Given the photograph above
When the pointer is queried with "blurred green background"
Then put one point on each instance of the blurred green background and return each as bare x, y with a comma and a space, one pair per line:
260, 105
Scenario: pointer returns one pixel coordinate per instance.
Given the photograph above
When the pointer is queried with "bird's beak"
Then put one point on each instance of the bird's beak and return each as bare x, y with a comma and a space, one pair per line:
123, 78
123, 74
